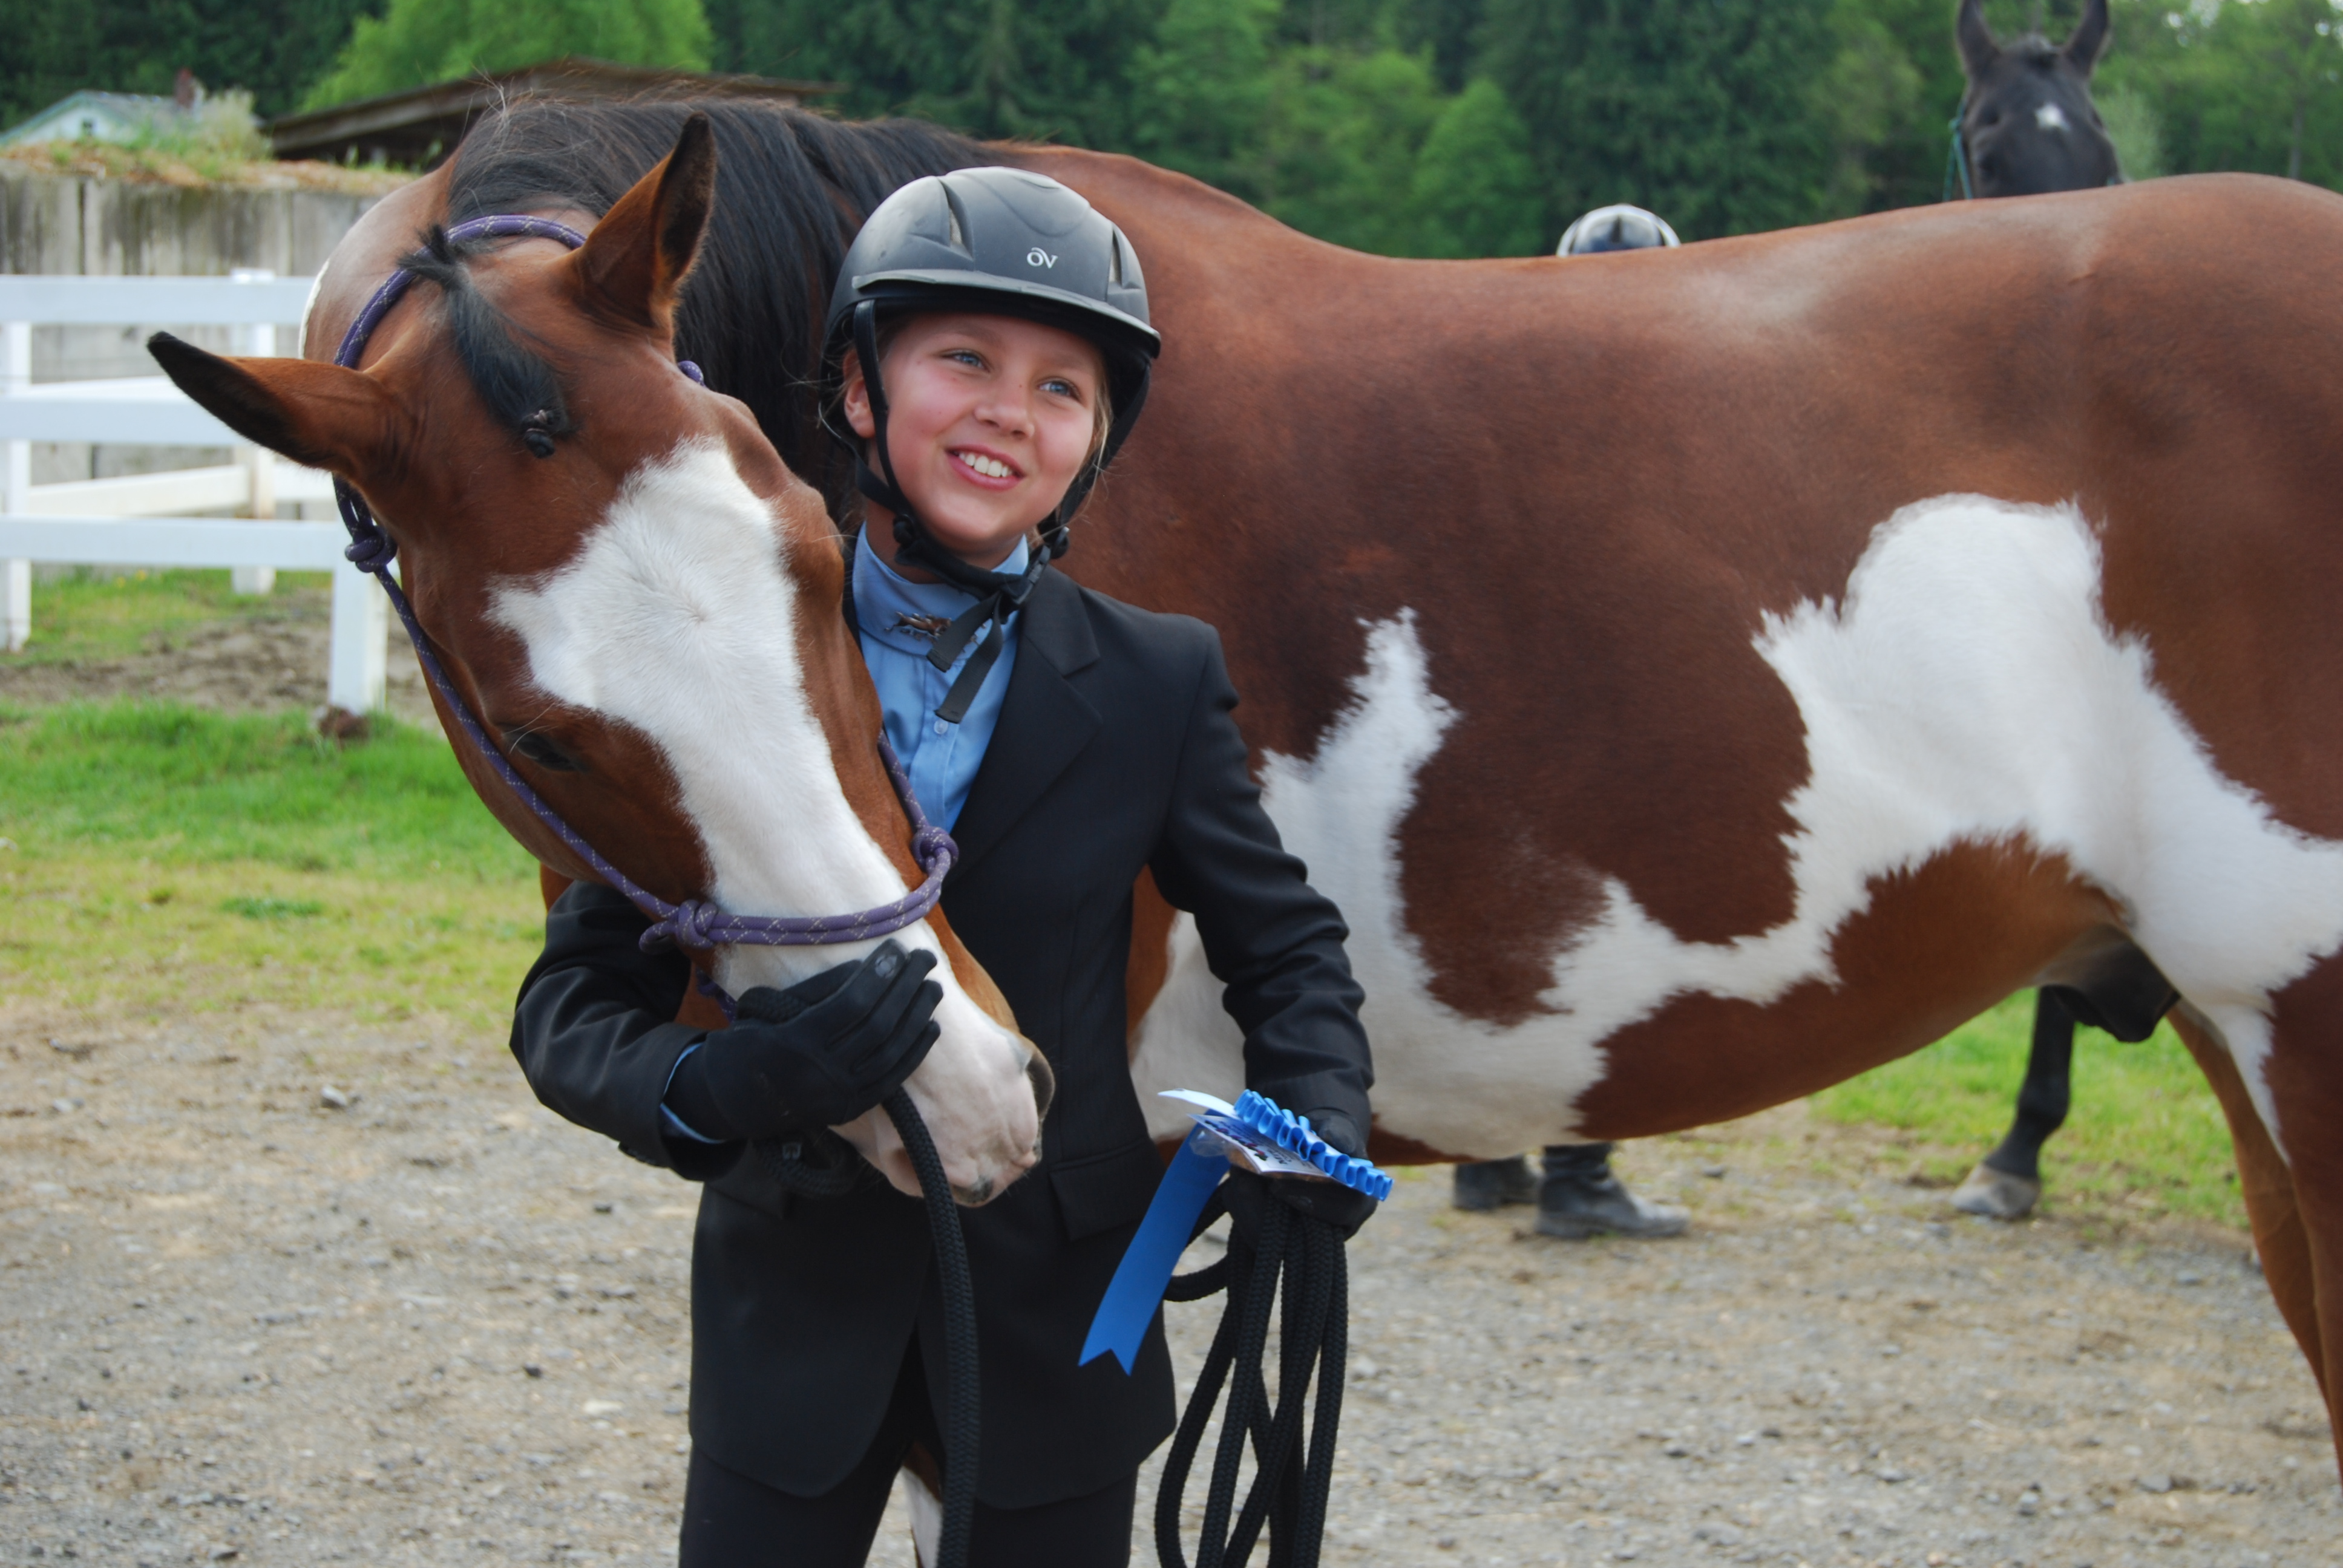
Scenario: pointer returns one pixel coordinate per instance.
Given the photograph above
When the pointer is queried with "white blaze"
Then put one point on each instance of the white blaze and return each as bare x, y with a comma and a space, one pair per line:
1967, 690
678, 617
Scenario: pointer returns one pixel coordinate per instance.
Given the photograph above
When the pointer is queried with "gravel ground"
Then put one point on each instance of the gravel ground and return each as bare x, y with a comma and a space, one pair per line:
272, 656
438, 1325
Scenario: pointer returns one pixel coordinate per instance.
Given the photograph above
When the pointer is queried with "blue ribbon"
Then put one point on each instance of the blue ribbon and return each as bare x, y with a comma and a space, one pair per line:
1136, 1289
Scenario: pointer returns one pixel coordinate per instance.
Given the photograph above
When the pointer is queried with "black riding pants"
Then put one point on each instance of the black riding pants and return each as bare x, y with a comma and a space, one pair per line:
732, 1522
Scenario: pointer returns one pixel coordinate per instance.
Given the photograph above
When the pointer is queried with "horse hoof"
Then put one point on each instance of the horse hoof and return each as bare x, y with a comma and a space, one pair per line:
1997, 1194
1480, 1185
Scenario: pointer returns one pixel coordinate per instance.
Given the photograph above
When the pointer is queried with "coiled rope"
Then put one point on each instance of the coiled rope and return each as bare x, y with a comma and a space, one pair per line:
1292, 1471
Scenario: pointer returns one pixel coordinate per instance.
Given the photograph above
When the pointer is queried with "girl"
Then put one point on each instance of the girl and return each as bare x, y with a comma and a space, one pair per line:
989, 351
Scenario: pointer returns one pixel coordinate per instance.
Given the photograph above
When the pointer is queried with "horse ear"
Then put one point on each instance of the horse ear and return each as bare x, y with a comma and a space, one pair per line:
2090, 40
1976, 39
320, 416
634, 263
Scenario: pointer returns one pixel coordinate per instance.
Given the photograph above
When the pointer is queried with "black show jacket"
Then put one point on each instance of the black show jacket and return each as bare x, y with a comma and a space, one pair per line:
1115, 751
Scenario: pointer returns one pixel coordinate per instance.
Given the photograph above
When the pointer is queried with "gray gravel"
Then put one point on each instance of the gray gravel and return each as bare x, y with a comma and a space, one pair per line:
438, 1325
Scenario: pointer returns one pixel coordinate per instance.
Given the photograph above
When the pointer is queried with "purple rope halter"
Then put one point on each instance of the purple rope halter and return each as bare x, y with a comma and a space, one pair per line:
693, 924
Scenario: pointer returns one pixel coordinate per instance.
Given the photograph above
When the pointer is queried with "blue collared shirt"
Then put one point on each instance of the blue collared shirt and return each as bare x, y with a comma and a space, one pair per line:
898, 619
941, 757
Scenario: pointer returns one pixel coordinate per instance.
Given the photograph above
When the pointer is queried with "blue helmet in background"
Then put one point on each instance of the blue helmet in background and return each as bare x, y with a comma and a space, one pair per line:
1619, 227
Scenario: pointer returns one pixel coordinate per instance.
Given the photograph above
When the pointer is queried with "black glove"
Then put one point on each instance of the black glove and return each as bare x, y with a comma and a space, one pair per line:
817, 1054
1328, 1203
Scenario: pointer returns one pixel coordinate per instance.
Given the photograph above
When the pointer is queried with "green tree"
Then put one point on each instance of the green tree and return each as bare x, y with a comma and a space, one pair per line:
1201, 90
1476, 191
1703, 110
1048, 69
2245, 87
417, 41
271, 48
1343, 137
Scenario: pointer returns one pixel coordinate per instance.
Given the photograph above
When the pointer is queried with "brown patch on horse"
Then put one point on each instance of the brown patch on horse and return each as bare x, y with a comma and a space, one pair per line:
1387, 1148
1914, 965
1151, 916
2300, 1070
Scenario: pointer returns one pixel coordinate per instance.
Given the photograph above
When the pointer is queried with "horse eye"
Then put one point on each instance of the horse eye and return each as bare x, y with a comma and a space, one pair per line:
539, 444
537, 749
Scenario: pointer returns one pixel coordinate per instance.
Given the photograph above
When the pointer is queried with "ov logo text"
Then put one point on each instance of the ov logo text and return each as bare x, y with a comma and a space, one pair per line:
1037, 257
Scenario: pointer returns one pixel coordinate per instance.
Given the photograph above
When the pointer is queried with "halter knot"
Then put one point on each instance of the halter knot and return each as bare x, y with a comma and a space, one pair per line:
371, 551
934, 850
690, 926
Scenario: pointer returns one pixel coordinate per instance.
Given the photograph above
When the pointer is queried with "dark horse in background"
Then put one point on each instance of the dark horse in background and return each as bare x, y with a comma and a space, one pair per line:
2028, 127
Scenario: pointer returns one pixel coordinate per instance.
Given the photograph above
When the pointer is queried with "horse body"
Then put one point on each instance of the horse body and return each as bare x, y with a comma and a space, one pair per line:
1699, 675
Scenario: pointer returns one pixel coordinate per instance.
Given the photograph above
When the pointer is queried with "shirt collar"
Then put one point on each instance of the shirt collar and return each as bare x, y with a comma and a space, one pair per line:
906, 615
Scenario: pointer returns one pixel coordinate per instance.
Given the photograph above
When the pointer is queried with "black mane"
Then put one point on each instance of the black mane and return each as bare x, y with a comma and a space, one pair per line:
792, 188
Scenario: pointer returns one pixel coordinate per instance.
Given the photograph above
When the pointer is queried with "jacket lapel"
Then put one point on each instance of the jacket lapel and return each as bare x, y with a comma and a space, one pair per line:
1044, 722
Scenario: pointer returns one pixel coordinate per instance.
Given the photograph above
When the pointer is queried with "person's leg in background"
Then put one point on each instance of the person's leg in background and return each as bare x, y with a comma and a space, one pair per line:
1579, 1195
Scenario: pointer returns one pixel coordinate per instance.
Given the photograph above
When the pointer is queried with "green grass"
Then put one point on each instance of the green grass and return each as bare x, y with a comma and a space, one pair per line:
2145, 1136
88, 616
181, 785
160, 859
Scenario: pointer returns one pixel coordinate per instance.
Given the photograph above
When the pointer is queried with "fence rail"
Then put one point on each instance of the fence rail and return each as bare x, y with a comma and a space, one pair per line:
131, 520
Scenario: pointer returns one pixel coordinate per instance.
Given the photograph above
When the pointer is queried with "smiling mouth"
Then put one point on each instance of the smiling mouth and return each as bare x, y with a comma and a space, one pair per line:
990, 467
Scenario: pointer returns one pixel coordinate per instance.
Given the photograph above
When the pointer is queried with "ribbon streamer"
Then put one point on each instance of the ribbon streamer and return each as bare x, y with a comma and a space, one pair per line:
1273, 1140
1136, 1289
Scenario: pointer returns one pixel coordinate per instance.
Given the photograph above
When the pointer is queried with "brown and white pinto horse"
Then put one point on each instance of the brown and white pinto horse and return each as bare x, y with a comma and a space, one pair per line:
1699, 675
648, 621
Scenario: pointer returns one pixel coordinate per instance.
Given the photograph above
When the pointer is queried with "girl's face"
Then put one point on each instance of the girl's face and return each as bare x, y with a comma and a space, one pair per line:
990, 418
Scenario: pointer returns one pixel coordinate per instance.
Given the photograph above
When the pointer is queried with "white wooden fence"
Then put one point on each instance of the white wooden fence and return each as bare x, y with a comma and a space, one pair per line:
134, 520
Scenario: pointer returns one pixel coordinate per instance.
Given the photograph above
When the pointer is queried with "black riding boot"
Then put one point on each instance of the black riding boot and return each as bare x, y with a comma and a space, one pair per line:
1483, 1184
1581, 1198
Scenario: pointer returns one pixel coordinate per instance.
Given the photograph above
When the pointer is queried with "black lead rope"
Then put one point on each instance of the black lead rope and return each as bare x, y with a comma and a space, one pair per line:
823, 1165
1293, 1476
960, 1427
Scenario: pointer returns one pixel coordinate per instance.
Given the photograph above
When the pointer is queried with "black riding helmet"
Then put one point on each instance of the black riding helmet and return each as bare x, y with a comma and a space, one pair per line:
998, 241
1002, 242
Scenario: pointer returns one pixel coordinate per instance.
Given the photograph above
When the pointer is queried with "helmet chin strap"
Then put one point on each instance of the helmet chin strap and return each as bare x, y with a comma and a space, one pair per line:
999, 595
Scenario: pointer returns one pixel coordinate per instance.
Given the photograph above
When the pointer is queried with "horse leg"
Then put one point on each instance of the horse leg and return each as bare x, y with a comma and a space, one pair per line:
2007, 1182
1483, 1184
2281, 1240
2303, 1071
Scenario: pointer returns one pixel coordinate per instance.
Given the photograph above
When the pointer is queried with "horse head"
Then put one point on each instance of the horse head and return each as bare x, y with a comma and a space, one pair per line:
2028, 120
640, 602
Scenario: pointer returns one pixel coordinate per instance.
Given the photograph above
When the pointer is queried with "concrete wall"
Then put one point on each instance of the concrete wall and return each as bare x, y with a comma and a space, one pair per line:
61, 223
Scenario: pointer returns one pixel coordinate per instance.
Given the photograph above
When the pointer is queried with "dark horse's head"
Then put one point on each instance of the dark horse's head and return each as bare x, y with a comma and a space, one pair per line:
2027, 122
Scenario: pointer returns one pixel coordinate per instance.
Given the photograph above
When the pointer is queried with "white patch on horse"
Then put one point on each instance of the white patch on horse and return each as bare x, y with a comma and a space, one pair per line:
678, 617
2051, 118
1967, 690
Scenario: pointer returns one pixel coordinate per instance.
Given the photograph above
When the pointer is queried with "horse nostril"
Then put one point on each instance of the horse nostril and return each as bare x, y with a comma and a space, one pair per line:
1044, 1082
